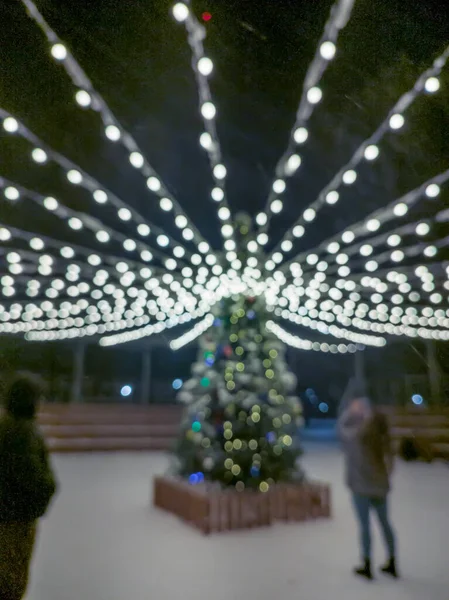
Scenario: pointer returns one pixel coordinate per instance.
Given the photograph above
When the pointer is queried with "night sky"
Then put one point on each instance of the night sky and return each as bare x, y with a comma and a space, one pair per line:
138, 59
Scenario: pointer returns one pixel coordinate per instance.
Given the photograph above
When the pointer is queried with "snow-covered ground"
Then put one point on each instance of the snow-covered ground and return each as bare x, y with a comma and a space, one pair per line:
104, 541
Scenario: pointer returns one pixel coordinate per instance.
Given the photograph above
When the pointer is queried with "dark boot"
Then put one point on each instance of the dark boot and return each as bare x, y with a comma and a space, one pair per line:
390, 568
365, 570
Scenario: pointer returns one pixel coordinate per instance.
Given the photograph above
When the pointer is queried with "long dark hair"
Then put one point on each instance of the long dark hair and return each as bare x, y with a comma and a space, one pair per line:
375, 435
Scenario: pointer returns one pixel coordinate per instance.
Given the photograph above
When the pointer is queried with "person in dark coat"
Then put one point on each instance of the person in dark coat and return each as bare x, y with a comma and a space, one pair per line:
369, 463
27, 485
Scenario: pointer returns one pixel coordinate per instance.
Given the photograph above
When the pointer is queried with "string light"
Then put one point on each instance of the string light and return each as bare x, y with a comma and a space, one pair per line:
318, 290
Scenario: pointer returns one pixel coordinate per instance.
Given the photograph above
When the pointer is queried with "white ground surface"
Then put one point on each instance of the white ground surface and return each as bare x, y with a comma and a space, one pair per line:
104, 541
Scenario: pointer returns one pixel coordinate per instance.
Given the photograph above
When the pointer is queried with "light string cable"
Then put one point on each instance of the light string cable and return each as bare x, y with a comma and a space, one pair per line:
78, 177
203, 67
368, 150
341, 246
78, 220
300, 343
88, 97
333, 306
311, 95
128, 273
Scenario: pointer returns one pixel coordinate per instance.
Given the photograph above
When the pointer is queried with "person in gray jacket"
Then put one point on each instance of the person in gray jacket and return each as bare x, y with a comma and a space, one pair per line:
369, 463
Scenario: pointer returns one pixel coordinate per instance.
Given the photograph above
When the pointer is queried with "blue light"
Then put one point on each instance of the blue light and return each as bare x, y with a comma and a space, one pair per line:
323, 407
417, 399
210, 361
251, 315
196, 478
271, 437
255, 471
126, 390
217, 322
177, 384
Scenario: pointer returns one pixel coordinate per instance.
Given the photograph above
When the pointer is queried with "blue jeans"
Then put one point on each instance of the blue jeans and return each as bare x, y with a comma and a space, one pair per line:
363, 505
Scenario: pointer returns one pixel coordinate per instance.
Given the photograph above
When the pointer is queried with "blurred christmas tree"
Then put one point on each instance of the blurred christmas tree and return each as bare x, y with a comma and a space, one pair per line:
241, 424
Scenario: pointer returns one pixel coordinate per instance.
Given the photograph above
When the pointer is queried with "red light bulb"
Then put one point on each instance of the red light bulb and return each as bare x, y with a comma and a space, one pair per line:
206, 16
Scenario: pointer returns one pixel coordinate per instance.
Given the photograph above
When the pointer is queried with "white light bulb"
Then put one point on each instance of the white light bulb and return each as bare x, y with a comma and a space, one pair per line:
143, 230
400, 209
181, 221
312, 259
37, 244
206, 140
163, 240
314, 95
252, 246
39, 155
224, 213
279, 186
227, 230
146, 255
203, 247
220, 171
277, 257
348, 237
124, 214
74, 177
75, 223
67, 252
397, 256
100, 196
422, 229
10, 124
397, 121
153, 184
373, 225
262, 238
366, 250
113, 133
188, 234
432, 85
309, 215
83, 98
129, 245
59, 51
102, 236
349, 177
298, 231
286, 245
171, 264
179, 251
136, 159
430, 251
371, 152
5, 234
432, 190
333, 247
180, 11
11, 193
208, 110
217, 194
371, 266
394, 240
328, 50
332, 197
293, 164
301, 134
276, 206
261, 219
205, 66
166, 204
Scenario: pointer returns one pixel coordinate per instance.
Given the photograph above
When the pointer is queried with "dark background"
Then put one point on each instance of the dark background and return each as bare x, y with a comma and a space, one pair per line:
138, 59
